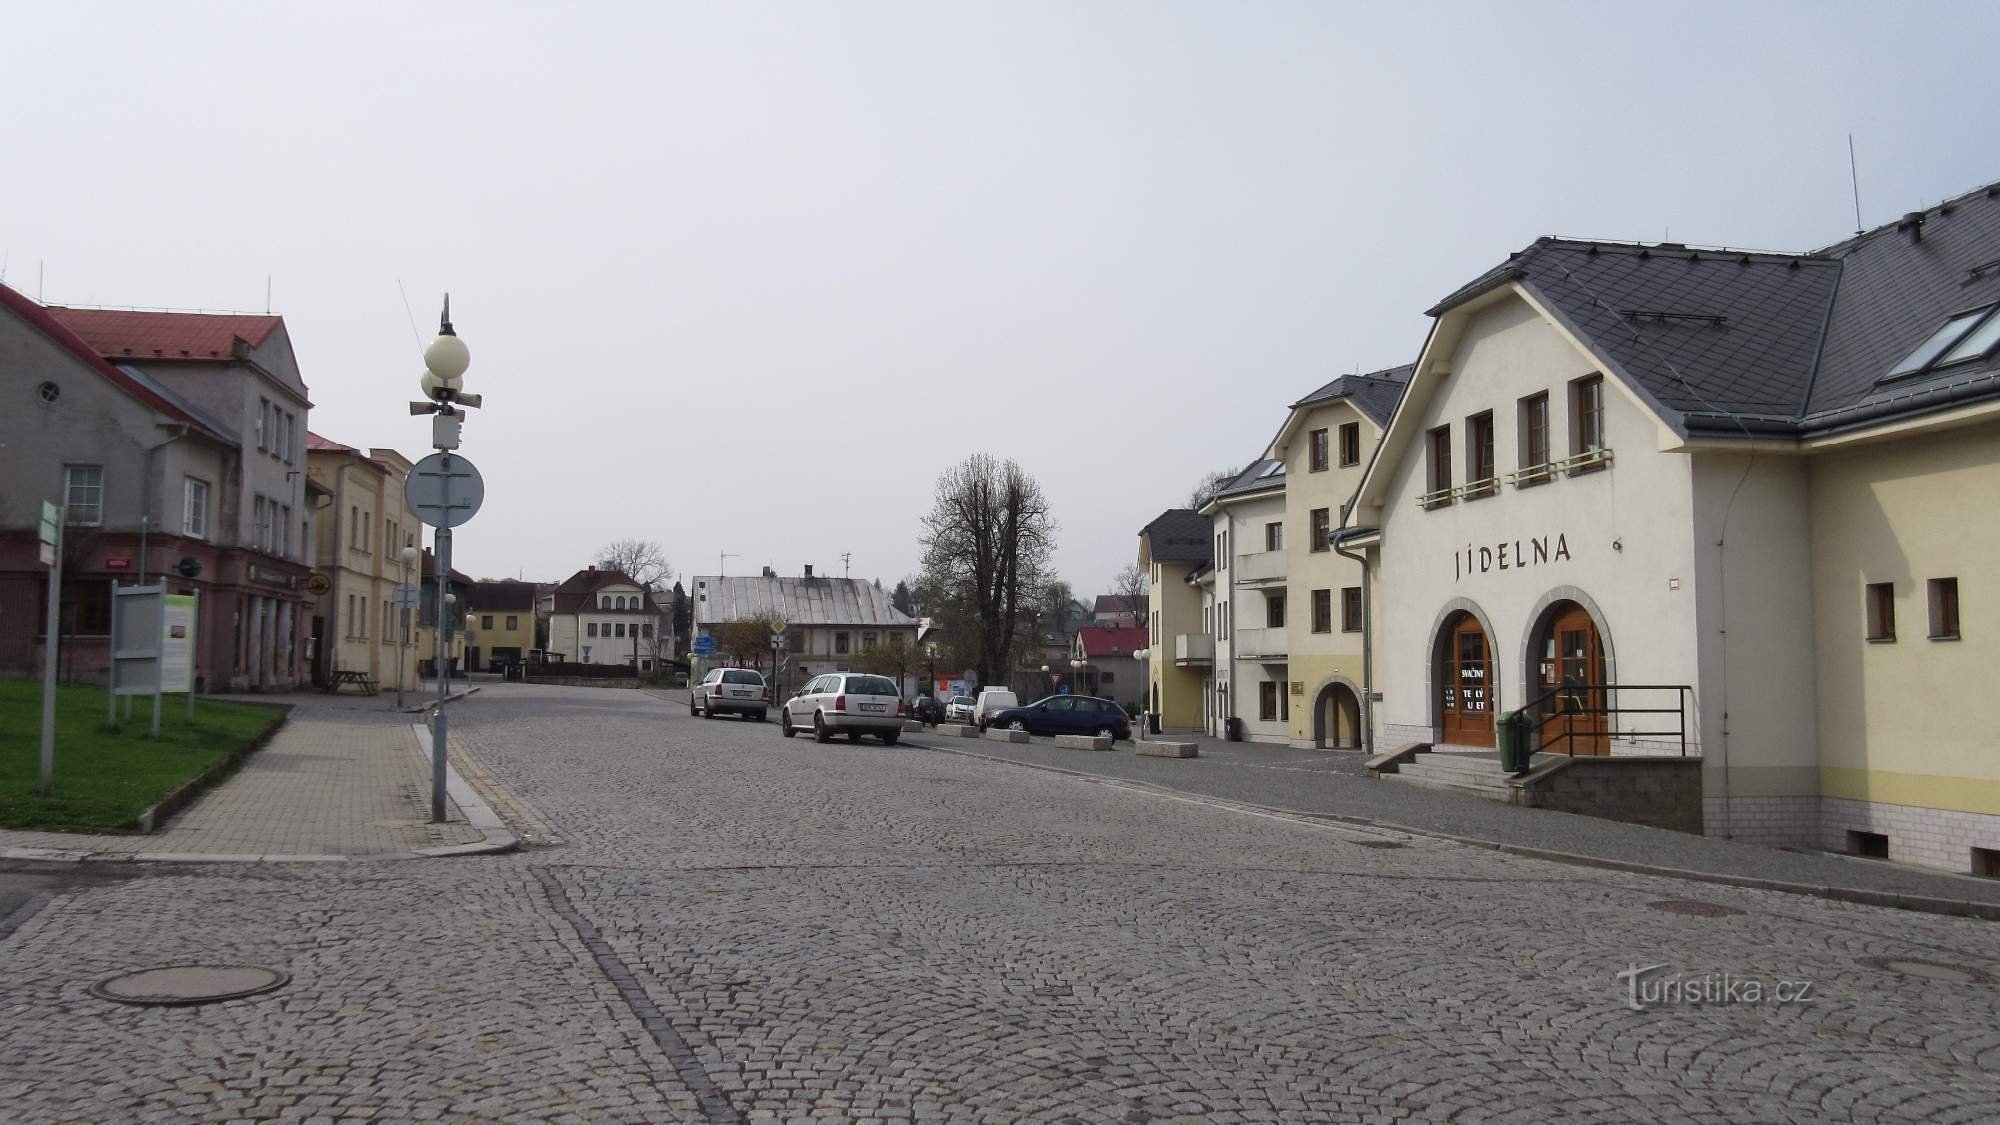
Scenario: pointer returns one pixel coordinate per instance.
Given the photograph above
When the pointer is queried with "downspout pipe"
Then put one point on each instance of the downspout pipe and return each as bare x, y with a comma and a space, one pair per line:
1367, 640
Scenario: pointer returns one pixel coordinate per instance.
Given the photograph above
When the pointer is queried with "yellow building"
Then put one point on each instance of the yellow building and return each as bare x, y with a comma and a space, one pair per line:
1325, 444
1180, 651
503, 624
357, 564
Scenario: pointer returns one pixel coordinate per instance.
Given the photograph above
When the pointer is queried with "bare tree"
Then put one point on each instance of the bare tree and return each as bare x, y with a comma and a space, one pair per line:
987, 545
642, 560
1131, 585
746, 641
896, 658
1208, 486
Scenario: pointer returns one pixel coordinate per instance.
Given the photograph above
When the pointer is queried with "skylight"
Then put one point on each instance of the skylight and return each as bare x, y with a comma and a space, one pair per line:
1272, 470
1965, 336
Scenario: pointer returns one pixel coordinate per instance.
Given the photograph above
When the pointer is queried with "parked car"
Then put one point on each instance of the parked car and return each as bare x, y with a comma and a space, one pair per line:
1066, 714
730, 691
992, 699
959, 710
927, 711
847, 703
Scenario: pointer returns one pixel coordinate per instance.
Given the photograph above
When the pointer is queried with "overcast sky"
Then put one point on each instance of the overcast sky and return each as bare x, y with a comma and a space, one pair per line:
746, 278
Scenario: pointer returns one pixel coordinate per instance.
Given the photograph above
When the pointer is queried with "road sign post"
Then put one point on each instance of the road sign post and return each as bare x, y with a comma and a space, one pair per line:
444, 491
50, 534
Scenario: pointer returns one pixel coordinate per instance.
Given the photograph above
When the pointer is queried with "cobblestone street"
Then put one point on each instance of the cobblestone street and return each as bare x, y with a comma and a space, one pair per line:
709, 922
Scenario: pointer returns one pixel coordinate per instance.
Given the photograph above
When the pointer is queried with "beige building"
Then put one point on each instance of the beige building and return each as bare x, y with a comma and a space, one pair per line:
1180, 650
1662, 497
360, 534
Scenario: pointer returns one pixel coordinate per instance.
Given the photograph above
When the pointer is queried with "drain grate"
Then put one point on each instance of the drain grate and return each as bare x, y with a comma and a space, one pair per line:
1693, 908
1944, 971
189, 984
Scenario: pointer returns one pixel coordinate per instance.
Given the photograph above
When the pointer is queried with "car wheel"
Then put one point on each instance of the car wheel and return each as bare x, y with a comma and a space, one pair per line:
785, 724
1017, 725
820, 733
1107, 732
889, 737
691, 708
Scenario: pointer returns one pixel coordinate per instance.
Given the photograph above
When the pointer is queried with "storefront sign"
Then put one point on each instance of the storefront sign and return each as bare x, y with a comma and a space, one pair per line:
270, 577
118, 562
1517, 554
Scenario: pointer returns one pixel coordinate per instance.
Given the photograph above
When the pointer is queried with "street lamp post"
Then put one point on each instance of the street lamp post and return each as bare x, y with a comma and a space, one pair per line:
1144, 656
409, 556
1075, 674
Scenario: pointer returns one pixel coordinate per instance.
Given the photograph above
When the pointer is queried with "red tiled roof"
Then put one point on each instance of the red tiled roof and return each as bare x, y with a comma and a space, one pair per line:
1111, 640
40, 319
326, 445
118, 334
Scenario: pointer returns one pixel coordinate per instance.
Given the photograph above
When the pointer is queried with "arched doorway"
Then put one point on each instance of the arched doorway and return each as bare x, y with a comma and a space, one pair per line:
1569, 676
1465, 682
1336, 717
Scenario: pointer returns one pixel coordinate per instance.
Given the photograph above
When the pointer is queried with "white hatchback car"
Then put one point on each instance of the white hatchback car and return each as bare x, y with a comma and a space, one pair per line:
959, 710
993, 699
726, 691
849, 703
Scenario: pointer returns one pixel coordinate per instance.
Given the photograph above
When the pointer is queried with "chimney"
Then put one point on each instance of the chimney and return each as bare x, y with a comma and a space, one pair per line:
593, 570
809, 570
1914, 223
769, 573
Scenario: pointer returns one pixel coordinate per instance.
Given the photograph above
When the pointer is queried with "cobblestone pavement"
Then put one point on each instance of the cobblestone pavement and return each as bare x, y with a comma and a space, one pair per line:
1335, 783
343, 776
740, 927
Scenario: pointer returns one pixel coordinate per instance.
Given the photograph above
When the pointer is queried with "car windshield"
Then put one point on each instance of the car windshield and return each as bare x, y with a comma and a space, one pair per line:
870, 685
734, 676
961, 699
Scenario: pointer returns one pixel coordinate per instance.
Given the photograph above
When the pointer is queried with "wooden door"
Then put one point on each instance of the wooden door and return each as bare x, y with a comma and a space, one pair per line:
1573, 668
1468, 686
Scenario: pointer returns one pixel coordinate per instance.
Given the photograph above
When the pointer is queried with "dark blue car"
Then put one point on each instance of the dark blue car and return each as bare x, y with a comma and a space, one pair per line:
1066, 714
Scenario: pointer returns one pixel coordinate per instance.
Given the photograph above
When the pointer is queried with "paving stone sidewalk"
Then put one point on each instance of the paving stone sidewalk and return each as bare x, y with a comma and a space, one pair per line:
1335, 783
342, 777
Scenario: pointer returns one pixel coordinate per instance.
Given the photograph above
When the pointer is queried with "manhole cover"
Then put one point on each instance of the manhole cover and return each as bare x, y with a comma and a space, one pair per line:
1693, 908
1377, 844
189, 984
1930, 970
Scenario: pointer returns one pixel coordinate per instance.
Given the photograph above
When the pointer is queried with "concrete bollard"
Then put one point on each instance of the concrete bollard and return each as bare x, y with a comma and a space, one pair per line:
912, 724
1169, 749
963, 730
1082, 742
998, 735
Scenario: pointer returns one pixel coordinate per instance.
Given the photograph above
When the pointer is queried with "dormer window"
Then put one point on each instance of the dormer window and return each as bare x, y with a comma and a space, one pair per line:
1965, 336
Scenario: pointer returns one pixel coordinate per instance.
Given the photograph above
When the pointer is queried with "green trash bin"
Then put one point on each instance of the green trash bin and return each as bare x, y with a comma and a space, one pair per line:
1512, 734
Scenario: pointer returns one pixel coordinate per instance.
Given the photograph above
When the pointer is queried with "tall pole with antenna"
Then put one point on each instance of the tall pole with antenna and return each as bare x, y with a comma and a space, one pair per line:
722, 561
1854, 178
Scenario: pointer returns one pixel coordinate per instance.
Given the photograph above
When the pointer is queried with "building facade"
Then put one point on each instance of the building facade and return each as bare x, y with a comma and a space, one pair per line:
1173, 548
605, 617
503, 627
1662, 496
829, 622
1111, 666
360, 531
175, 442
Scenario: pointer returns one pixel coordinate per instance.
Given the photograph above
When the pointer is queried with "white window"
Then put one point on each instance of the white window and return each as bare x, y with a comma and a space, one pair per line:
194, 512
263, 423
83, 491
259, 522
285, 530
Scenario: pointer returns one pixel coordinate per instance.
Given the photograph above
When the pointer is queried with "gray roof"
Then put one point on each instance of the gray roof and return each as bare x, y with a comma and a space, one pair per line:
228, 433
801, 601
1374, 394
1724, 341
1179, 535
1260, 475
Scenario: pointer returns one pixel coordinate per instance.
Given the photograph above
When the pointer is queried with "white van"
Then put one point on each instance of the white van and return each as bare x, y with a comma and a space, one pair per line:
992, 699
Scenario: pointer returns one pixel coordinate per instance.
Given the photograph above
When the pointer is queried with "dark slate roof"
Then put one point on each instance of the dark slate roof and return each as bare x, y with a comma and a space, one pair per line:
578, 592
801, 601
1374, 394
503, 595
1180, 535
1729, 340
1253, 479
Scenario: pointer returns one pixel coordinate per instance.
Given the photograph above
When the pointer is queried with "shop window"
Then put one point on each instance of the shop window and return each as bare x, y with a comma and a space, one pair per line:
1318, 451
1438, 469
1479, 455
1350, 609
1944, 609
1350, 444
1320, 527
1322, 611
1881, 611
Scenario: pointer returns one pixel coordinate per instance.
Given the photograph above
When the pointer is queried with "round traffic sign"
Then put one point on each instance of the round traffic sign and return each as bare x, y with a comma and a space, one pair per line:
443, 490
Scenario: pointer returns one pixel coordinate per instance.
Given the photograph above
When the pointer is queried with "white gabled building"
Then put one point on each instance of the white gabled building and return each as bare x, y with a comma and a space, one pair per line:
606, 617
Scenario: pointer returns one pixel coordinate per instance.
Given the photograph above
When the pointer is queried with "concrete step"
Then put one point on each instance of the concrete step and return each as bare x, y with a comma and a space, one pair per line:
1427, 765
1488, 792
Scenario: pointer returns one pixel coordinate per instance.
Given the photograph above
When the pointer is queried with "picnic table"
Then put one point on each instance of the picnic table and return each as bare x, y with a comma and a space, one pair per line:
359, 679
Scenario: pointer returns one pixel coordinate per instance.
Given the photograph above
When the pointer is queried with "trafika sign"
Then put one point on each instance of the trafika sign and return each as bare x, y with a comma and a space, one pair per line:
1518, 554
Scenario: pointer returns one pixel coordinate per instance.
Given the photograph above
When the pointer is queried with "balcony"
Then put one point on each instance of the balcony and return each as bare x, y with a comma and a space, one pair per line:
1267, 645
1264, 568
1194, 648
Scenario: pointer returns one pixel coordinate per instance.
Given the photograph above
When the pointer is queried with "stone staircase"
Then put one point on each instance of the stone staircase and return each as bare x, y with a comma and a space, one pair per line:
1475, 773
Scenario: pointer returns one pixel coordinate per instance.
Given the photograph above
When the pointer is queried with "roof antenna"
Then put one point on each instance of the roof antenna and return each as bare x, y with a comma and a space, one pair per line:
844, 557
414, 338
444, 318
1854, 178
267, 294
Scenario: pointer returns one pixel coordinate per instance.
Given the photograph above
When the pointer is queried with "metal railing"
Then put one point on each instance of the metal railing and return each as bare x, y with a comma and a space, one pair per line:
1576, 710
